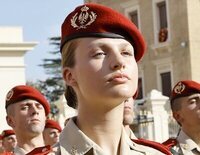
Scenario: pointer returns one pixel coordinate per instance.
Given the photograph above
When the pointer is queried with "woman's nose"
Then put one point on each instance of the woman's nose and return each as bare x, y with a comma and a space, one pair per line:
118, 62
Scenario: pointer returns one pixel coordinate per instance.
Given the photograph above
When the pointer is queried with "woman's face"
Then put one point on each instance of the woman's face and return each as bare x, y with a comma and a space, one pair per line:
105, 70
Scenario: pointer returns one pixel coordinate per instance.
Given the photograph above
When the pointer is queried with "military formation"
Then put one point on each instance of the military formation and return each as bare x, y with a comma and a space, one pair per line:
100, 49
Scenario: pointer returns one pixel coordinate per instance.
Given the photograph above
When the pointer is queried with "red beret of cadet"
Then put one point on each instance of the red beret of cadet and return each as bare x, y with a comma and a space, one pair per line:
94, 20
22, 92
6, 133
184, 88
53, 124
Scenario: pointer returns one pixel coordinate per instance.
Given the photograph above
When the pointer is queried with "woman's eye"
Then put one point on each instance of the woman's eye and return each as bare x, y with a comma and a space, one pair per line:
128, 53
39, 106
98, 55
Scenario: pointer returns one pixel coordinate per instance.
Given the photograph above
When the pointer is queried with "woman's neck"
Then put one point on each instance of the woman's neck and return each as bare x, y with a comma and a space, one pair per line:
103, 127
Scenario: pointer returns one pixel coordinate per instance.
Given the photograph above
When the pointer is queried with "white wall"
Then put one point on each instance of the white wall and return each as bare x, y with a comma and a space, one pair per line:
12, 67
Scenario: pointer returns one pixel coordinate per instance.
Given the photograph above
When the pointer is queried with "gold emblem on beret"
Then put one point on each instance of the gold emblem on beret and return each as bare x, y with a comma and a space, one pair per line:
9, 95
180, 87
84, 19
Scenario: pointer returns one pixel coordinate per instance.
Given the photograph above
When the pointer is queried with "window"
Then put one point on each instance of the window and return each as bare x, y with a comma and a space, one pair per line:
161, 21
164, 72
166, 83
133, 15
162, 35
162, 14
140, 90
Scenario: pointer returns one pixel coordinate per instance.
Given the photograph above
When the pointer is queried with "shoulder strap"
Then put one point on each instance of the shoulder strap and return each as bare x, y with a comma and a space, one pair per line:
45, 150
170, 143
158, 146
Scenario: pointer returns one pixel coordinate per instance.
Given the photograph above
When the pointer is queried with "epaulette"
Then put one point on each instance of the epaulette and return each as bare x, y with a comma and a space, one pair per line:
170, 143
45, 150
158, 146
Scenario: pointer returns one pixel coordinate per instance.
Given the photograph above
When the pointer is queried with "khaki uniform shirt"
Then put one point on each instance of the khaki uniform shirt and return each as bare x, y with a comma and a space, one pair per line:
74, 142
132, 135
19, 151
186, 146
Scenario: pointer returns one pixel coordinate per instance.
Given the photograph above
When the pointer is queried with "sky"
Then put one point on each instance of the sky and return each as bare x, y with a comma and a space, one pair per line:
40, 20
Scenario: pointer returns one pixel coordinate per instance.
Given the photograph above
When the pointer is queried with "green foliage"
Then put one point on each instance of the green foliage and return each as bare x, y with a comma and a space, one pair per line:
53, 86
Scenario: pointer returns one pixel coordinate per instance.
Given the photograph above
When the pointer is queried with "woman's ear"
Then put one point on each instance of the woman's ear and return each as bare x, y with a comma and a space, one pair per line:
68, 76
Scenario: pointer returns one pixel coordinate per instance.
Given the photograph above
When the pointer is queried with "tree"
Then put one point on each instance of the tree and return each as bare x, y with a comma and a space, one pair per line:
53, 86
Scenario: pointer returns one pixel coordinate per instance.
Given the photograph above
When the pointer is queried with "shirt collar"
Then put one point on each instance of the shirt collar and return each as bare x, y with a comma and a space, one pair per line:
68, 140
69, 145
19, 151
186, 142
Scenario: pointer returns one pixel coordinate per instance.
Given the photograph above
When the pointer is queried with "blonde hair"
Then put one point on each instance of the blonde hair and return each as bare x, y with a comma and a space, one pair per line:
68, 60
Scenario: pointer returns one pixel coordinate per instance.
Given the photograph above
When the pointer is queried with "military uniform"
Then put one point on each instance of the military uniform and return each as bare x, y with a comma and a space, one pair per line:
183, 145
74, 142
132, 135
19, 151
45, 150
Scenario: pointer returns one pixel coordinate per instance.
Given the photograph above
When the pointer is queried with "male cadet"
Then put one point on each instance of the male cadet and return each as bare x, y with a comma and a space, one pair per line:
185, 105
128, 116
26, 111
51, 132
128, 120
8, 141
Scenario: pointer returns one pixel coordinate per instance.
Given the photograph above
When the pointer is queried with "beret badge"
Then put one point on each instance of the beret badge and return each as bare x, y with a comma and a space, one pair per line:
84, 19
9, 95
180, 87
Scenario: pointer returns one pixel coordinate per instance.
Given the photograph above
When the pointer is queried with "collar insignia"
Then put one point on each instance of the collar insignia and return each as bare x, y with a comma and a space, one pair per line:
84, 19
179, 88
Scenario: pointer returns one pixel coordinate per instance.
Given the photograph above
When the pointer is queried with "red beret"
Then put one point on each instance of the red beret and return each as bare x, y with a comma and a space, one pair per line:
94, 20
22, 92
53, 124
185, 88
7, 133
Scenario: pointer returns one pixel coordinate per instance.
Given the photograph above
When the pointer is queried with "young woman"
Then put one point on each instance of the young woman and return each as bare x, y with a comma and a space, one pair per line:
100, 49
